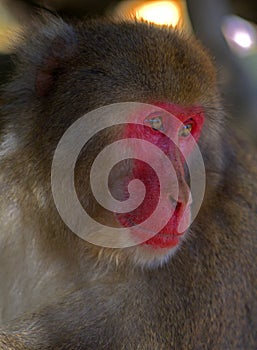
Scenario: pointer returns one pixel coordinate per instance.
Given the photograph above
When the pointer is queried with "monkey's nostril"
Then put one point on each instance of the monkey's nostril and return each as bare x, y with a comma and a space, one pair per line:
173, 201
175, 204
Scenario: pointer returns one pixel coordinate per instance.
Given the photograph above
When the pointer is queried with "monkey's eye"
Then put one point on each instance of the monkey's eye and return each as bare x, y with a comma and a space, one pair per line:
155, 123
186, 129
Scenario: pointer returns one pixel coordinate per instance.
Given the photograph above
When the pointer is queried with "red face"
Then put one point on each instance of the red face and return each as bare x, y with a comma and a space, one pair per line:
175, 140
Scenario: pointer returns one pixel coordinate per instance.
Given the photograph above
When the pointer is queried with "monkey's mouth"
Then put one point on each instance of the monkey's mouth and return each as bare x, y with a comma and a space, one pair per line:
170, 235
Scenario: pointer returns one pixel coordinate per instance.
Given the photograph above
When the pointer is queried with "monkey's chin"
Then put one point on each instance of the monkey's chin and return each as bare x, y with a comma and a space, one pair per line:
158, 250
152, 256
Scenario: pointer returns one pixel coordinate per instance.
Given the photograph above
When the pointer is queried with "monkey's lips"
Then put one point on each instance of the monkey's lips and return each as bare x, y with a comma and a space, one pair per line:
170, 235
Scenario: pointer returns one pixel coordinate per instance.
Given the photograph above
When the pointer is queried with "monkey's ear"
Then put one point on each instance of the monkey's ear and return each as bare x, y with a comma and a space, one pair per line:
52, 66
48, 46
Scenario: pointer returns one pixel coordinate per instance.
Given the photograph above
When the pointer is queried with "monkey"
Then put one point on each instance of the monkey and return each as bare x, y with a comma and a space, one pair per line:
196, 290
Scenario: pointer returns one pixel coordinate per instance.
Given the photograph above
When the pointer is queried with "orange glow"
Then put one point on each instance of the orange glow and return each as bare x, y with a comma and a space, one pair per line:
159, 12
172, 13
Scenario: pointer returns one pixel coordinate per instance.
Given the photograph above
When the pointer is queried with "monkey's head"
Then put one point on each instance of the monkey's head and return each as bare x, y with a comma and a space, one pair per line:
64, 71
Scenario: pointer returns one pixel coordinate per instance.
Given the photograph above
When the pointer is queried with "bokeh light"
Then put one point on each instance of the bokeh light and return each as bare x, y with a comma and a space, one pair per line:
159, 12
172, 13
243, 39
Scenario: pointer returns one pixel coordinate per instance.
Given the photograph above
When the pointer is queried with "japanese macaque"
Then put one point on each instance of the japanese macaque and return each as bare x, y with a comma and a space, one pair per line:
194, 289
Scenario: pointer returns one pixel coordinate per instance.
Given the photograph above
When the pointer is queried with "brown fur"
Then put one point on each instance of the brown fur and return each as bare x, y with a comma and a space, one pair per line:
203, 297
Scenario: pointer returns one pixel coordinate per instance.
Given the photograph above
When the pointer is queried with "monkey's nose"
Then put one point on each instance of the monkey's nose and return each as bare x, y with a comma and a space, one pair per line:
187, 200
173, 201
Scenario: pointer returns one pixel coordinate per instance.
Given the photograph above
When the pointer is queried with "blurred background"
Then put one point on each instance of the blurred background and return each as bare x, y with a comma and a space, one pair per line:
228, 28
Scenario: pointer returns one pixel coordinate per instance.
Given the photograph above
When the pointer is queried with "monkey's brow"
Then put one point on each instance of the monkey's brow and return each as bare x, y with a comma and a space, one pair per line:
154, 119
